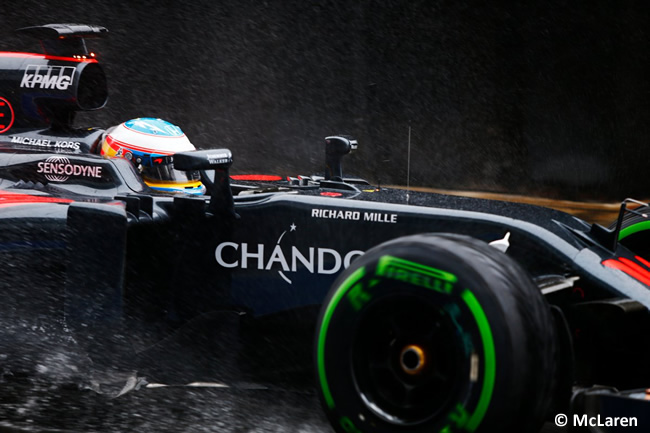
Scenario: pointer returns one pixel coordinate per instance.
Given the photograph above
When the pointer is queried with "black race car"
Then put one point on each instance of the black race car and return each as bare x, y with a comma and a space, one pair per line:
421, 312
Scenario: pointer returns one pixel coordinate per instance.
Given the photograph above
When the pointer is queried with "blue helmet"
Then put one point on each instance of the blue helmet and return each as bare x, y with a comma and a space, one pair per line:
150, 144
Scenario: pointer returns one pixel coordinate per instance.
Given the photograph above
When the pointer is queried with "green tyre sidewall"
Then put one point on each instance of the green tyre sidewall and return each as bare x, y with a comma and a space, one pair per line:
483, 333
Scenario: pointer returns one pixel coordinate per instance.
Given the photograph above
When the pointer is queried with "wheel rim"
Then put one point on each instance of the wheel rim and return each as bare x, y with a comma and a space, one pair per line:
407, 359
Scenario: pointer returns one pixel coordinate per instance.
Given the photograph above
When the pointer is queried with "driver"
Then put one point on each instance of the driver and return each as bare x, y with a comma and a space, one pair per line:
149, 144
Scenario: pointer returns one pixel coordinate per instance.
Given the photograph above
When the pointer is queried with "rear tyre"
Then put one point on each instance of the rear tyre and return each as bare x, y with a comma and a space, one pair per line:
435, 333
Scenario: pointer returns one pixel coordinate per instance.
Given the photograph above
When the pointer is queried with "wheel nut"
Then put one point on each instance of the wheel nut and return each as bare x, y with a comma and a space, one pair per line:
412, 359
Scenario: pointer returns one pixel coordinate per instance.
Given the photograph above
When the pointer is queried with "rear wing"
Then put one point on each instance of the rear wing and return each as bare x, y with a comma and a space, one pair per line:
64, 40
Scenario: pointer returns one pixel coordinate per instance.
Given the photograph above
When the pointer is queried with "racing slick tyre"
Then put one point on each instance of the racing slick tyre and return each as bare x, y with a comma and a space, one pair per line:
435, 333
635, 232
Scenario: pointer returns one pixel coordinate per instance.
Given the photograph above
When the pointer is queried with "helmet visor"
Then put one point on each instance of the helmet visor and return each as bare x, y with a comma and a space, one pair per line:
167, 173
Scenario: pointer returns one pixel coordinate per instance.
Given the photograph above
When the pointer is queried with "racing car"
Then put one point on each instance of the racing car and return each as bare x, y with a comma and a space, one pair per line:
420, 312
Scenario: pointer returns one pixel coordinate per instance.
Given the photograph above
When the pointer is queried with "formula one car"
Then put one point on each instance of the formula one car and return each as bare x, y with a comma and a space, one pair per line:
431, 313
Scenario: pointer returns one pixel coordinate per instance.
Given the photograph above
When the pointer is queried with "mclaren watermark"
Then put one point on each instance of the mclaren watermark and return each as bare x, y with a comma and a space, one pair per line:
584, 420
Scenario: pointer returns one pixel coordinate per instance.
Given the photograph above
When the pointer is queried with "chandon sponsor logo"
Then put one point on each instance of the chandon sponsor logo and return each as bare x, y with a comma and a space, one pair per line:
288, 259
60, 169
318, 260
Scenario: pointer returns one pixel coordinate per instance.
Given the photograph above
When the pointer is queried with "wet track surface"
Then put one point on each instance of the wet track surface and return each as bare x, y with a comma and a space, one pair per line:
181, 384
206, 391
177, 409
173, 409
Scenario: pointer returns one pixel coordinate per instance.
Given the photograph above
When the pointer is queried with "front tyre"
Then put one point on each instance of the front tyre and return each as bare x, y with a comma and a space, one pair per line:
436, 334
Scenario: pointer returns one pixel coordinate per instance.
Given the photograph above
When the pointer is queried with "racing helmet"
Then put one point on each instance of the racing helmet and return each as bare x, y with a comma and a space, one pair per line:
150, 143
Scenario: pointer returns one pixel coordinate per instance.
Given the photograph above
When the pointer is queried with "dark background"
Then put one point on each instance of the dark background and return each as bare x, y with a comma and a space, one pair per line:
547, 98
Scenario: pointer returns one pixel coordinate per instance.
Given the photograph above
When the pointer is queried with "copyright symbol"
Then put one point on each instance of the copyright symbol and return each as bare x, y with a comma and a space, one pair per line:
561, 420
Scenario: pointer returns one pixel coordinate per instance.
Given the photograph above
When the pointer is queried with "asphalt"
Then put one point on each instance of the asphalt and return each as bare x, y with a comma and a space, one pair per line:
169, 409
